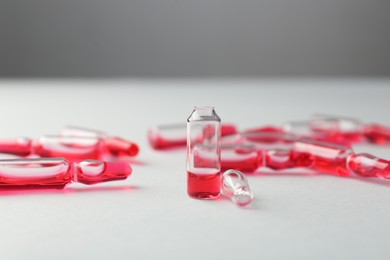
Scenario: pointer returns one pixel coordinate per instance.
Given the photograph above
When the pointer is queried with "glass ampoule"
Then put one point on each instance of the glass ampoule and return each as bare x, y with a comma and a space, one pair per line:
48, 173
203, 153
235, 186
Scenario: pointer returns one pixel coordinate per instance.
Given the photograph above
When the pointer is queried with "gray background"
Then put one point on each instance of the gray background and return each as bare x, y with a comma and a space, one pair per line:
183, 38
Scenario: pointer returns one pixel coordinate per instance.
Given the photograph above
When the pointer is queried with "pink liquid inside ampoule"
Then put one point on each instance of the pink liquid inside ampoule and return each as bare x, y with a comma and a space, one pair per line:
117, 146
44, 173
17, 146
205, 185
367, 165
265, 129
35, 173
245, 158
321, 156
278, 159
92, 171
376, 133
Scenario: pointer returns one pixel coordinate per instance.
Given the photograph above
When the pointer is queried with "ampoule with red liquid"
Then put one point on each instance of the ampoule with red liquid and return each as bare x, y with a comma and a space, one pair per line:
203, 153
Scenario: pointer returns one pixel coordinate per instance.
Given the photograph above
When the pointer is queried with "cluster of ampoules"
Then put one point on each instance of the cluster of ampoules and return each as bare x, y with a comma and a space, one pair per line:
75, 155
323, 143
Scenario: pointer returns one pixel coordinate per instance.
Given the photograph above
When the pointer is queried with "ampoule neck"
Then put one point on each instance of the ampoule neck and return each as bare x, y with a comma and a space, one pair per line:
204, 113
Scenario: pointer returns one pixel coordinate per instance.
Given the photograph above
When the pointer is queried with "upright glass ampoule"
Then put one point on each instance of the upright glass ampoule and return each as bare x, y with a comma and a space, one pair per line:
203, 153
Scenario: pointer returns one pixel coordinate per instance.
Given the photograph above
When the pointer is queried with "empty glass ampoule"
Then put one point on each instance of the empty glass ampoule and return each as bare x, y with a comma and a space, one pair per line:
203, 154
235, 186
175, 135
58, 172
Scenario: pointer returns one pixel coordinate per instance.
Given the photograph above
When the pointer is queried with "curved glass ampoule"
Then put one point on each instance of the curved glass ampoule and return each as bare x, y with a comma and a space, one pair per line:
203, 153
235, 186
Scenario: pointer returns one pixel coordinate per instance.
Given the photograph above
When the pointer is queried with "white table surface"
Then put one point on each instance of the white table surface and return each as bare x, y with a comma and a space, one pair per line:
149, 215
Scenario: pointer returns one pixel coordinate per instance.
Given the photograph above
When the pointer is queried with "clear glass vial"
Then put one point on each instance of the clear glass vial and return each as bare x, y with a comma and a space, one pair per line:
203, 153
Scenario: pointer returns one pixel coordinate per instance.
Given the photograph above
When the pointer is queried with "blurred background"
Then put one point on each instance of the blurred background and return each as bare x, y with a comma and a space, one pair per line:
203, 38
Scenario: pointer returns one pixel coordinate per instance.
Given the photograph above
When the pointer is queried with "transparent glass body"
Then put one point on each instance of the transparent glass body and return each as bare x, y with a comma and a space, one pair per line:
74, 143
377, 134
203, 153
321, 156
72, 148
58, 172
235, 186
284, 151
17, 146
367, 165
112, 145
168, 136
175, 135
242, 157
327, 128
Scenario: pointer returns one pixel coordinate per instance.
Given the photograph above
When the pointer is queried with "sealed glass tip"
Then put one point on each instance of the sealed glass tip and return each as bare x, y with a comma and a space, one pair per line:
235, 186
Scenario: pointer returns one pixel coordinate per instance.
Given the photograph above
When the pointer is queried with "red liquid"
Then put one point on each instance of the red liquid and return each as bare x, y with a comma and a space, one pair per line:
203, 186
245, 158
377, 134
120, 147
368, 165
18, 146
159, 142
279, 160
228, 129
57, 172
323, 157
91, 172
265, 129
244, 165
35, 173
